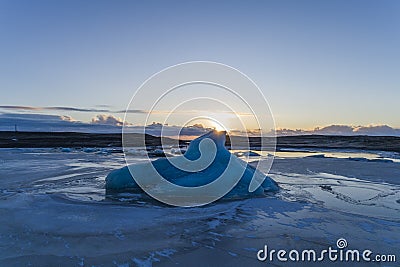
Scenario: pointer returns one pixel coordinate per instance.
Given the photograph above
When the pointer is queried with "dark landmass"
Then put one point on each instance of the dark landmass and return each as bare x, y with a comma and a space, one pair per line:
381, 143
73, 140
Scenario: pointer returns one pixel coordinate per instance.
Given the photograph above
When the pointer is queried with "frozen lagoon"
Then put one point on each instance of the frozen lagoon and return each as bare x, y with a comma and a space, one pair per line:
54, 212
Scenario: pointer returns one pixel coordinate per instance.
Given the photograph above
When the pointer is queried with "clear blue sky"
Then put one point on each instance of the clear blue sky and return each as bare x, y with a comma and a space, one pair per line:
317, 62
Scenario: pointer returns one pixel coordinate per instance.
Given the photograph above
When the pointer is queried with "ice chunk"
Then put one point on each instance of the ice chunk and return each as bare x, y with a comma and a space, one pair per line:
247, 154
89, 149
121, 179
178, 151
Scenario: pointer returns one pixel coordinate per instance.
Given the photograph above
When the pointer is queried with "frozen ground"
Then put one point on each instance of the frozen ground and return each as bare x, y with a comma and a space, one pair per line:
54, 212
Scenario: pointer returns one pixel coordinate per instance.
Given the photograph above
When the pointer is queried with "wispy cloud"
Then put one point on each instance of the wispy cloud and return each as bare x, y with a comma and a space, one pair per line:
75, 109
19, 107
62, 108
130, 111
107, 110
53, 108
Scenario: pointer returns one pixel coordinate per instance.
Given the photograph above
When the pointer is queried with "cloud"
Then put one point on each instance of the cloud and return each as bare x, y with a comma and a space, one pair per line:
17, 117
19, 107
75, 109
62, 108
51, 123
380, 130
158, 129
377, 130
53, 108
335, 129
132, 111
107, 120
96, 110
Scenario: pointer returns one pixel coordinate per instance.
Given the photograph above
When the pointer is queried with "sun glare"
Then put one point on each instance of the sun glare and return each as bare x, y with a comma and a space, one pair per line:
217, 126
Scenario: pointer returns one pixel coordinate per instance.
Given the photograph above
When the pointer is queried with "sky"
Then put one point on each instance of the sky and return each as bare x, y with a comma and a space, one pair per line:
318, 63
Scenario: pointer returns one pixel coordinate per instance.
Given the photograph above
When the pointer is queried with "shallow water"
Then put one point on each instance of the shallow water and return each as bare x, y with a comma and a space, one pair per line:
54, 212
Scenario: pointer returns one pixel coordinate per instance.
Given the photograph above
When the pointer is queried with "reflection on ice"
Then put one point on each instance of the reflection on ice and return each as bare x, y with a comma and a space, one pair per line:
342, 193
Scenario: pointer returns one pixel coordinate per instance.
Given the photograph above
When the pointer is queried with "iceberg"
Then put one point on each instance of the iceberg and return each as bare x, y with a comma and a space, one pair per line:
122, 180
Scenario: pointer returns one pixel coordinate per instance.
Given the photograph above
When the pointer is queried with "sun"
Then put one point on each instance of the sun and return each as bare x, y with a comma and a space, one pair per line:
217, 126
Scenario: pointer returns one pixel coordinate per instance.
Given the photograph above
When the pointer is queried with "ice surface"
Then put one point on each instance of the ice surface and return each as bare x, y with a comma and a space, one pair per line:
54, 212
121, 179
